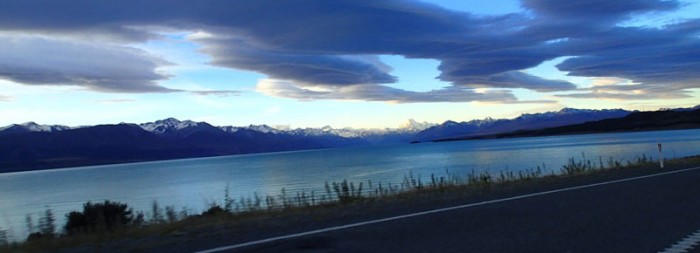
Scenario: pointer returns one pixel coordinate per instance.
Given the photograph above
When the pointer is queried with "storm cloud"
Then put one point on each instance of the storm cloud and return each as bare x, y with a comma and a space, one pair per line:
327, 43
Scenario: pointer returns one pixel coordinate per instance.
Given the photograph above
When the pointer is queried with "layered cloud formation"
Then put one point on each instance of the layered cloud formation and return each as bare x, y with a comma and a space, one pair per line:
328, 49
40, 61
289, 89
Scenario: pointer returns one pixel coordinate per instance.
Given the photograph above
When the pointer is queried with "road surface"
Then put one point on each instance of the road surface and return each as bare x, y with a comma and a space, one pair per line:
647, 214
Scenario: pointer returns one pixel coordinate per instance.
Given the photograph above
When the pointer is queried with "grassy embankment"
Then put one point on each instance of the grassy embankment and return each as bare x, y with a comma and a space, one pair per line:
340, 199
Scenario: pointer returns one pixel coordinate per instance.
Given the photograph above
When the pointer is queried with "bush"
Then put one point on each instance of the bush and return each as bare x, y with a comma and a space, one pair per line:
214, 211
46, 224
4, 241
47, 228
99, 217
35, 236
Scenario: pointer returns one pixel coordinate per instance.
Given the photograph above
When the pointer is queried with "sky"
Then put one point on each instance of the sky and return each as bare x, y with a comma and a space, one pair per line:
343, 63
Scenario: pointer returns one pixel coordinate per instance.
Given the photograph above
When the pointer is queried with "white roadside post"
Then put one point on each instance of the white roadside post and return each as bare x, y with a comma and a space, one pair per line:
661, 156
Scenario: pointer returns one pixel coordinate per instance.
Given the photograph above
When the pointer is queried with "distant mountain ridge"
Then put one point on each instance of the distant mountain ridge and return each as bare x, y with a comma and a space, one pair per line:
566, 116
32, 146
168, 126
636, 121
31, 127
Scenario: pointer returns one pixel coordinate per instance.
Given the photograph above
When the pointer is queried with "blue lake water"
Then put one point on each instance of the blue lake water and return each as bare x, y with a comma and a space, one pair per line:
194, 183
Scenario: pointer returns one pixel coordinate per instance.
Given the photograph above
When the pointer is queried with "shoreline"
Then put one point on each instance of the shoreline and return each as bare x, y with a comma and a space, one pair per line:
539, 133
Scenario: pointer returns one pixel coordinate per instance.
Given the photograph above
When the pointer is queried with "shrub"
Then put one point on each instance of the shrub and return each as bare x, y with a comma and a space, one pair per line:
215, 210
35, 236
47, 227
46, 223
98, 217
4, 241
156, 213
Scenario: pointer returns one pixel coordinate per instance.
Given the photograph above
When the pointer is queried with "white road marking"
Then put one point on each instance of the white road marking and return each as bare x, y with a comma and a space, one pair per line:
684, 245
336, 228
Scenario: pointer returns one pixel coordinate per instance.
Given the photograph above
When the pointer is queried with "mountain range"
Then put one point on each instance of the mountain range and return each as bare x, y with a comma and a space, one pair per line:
31, 146
638, 121
563, 117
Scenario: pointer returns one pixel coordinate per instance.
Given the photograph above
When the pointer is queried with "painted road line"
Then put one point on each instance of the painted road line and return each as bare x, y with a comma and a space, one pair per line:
336, 228
684, 245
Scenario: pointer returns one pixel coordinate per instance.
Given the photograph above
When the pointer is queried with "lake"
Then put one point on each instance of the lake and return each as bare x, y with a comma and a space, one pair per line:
195, 183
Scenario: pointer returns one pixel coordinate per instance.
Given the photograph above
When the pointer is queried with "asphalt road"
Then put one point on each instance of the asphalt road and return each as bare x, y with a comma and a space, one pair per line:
641, 215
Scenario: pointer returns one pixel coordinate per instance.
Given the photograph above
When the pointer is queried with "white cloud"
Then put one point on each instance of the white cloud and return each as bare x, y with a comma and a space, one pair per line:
199, 35
603, 81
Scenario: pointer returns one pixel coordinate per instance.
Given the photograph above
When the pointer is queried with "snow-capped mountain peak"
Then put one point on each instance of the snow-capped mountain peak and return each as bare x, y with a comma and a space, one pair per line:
567, 110
167, 125
414, 126
264, 129
230, 129
482, 122
34, 127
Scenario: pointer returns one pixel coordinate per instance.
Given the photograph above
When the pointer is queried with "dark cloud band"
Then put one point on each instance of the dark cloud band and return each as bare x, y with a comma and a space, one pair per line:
44, 61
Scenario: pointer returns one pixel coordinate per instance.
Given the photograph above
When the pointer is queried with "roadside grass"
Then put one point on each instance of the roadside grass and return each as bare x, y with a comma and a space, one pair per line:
235, 213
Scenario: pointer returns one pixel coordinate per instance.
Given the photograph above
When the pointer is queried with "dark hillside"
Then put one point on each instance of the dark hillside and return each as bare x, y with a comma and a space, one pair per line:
86, 146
